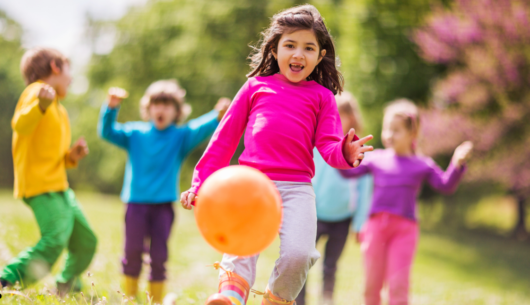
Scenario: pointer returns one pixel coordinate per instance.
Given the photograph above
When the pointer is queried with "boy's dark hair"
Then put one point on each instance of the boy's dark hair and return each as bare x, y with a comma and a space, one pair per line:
304, 17
36, 63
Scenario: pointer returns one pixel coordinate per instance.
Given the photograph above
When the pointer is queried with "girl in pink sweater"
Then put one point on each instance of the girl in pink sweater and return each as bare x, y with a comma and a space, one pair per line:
285, 109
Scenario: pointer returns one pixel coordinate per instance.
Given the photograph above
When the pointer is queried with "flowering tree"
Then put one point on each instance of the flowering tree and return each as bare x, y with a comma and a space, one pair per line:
485, 94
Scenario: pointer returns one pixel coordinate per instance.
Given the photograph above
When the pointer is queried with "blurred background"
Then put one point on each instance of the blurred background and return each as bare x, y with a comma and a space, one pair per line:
465, 62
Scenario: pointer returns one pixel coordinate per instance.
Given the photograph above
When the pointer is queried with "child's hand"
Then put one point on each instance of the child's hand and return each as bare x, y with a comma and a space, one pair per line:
222, 106
46, 96
115, 96
79, 150
186, 198
462, 154
354, 151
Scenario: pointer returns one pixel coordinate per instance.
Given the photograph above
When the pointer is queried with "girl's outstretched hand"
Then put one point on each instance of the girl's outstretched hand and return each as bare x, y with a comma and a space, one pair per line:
222, 106
186, 198
353, 151
115, 96
462, 154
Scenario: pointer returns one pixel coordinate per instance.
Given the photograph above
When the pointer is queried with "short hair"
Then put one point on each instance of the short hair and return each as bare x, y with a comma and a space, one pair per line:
36, 63
347, 104
165, 91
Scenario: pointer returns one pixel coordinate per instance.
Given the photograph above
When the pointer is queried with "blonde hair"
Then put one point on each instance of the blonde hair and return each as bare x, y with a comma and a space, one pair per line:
36, 63
347, 104
409, 112
165, 91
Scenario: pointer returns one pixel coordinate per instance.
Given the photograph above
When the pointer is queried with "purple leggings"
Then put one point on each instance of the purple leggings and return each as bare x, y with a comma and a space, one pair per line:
147, 229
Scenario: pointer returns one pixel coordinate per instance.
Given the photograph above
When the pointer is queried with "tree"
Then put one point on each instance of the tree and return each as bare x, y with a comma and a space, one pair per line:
11, 86
379, 60
485, 94
204, 44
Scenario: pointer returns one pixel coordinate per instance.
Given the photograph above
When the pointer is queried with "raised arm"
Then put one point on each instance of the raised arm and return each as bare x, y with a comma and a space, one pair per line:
111, 130
202, 127
197, 130
444, 182
224, 141
31, 108
108, 128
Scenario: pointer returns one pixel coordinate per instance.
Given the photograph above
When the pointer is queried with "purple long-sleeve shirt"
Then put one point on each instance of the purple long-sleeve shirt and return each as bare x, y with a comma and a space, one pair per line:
398, 180
282, 122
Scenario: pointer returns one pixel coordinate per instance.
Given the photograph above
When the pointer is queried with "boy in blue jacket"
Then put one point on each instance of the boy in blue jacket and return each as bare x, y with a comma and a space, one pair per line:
156, 150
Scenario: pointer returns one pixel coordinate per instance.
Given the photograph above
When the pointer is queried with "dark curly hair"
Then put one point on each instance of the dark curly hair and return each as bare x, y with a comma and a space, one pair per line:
304, 17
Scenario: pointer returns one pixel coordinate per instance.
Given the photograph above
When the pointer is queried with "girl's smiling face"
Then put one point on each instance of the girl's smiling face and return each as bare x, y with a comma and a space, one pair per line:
298, 53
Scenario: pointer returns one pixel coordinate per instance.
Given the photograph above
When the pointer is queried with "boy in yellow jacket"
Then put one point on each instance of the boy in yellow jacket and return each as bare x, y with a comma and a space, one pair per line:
41, 155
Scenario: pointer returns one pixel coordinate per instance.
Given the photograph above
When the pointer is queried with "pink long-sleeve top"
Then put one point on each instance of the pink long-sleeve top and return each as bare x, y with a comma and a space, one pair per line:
282, 122
398, 180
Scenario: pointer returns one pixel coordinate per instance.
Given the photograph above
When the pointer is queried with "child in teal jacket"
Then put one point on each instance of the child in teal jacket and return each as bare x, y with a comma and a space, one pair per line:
342, 204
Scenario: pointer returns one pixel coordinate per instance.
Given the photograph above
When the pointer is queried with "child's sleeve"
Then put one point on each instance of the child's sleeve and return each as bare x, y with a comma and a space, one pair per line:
328, 136
199, 130
444, 182
111, 130
365, 188
67, 161
27, 114
364, 168
360, 170
224, 141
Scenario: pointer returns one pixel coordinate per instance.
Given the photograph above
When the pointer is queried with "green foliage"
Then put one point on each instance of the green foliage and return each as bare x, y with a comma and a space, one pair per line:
379, 60
11, 86
205, 45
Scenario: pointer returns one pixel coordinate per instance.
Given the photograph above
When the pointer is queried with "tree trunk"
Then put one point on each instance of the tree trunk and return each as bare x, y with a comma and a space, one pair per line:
520, 232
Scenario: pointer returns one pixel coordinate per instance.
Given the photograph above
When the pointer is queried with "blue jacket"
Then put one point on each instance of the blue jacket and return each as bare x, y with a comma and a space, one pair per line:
154, 156
338, 198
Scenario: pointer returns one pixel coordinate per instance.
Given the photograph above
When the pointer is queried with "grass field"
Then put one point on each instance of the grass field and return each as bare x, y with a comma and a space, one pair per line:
451, 267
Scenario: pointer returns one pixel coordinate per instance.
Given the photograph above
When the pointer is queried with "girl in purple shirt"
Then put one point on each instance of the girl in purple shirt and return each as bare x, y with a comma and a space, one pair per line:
390, 236
285, 109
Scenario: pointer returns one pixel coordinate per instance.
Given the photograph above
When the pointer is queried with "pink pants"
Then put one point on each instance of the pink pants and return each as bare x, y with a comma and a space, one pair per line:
388, 245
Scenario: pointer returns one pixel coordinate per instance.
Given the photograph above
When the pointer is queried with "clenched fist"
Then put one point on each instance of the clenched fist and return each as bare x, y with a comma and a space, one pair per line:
79, 150
115, 96
46, 96
222, 106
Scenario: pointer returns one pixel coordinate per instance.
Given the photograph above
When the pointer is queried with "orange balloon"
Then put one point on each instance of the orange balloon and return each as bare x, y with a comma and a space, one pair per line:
239, 210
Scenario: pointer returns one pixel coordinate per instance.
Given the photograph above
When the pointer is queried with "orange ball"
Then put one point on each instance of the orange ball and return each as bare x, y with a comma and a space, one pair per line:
239, 210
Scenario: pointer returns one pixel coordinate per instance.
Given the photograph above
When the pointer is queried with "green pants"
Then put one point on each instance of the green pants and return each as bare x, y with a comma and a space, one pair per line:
62, 225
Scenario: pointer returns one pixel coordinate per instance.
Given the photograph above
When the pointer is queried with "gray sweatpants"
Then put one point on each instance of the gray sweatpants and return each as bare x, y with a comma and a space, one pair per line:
297, 243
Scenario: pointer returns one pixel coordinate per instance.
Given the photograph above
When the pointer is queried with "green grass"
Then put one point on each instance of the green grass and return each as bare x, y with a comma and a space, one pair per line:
450, 268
